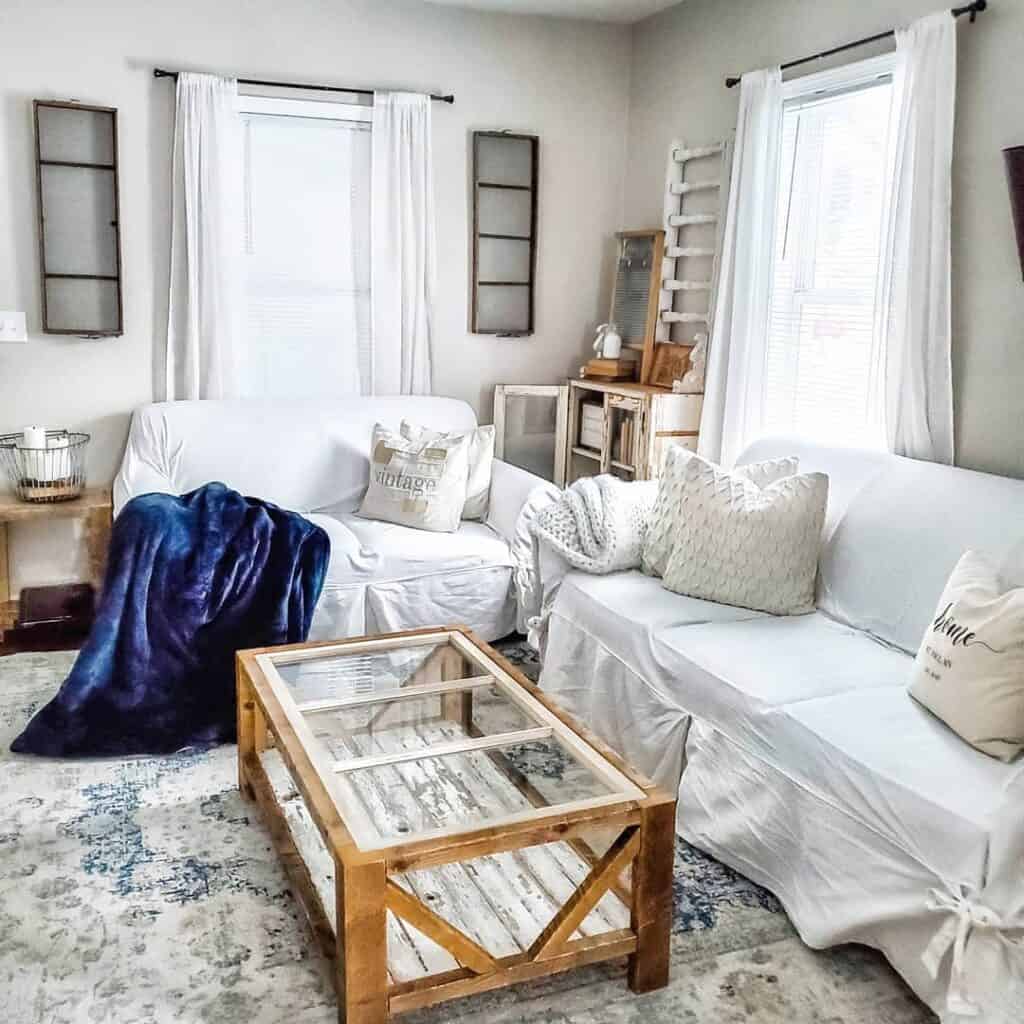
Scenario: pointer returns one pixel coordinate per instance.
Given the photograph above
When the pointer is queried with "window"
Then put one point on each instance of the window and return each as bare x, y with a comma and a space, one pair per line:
821, 372
306, 279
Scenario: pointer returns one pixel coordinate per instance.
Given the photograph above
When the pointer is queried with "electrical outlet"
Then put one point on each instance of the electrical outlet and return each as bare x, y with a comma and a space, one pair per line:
12, 326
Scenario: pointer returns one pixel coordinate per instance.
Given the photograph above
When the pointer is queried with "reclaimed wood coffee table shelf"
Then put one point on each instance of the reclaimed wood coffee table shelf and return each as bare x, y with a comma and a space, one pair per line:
447, 829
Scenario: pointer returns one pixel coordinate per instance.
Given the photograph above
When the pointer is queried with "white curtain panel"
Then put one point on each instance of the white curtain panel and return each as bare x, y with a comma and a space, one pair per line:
914, 307
206, 226
733, 393
402, 243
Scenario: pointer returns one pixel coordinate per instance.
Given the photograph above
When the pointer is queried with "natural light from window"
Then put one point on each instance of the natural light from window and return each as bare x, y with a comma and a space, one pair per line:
821, 370
306, 279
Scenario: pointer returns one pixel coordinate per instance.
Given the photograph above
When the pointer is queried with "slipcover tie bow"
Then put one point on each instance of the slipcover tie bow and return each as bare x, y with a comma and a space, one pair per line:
966, 915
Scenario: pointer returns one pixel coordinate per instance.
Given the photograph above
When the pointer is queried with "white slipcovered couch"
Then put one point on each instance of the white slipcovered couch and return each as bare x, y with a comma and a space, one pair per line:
313, 457
799, 757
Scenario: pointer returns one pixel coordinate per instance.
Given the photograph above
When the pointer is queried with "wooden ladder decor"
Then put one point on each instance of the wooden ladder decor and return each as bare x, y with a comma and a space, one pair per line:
690, 268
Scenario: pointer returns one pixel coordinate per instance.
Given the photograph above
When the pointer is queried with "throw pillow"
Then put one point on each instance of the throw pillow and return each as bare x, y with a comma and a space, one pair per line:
969, 670
664, 516
481, 463
739, 544
417, 483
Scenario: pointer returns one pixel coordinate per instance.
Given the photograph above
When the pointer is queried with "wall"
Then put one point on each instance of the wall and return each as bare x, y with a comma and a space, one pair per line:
565, 80
680, 60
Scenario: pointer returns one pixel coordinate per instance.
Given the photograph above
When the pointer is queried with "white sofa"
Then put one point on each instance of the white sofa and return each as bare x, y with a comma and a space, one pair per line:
800, 759
313, 457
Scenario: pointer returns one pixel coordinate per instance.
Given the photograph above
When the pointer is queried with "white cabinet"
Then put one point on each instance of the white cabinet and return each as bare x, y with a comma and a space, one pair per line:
586, 427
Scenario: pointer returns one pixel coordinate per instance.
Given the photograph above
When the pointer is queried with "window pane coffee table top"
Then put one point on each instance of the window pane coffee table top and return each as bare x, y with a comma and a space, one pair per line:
420, 736
437, 815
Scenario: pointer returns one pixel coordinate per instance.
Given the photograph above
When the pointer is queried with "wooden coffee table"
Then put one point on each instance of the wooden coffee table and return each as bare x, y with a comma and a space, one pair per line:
446, 827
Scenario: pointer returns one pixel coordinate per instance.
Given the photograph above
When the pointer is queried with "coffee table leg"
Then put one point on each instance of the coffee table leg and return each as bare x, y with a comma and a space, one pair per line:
652, 897
362, 961
252, 728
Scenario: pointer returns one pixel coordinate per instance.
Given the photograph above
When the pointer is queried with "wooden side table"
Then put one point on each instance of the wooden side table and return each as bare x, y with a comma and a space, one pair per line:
94, 506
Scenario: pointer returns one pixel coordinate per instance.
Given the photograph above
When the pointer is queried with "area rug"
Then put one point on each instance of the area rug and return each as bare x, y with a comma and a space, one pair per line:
144, 890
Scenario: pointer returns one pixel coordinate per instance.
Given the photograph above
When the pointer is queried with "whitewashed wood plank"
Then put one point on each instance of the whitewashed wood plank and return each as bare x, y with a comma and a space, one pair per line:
439, 782
412, 791
557, 867
388, 801
509, 879
404, 960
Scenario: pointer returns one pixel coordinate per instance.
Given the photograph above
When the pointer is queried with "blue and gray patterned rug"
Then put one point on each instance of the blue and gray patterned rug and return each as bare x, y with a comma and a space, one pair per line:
143, 891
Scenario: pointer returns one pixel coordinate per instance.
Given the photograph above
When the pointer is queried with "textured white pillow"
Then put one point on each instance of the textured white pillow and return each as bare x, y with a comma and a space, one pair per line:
665, 514
481, 463
969, 669
739, 544
417, 483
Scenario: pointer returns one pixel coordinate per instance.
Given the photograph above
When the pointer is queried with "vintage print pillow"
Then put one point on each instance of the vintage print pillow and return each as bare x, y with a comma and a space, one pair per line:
969, 669
417, 483
481, 463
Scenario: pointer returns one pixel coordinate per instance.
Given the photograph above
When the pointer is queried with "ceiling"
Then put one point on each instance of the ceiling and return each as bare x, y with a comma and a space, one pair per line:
624, 11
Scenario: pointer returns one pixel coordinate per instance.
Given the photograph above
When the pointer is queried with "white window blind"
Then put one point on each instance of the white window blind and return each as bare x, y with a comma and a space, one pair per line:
821, 377
306, 328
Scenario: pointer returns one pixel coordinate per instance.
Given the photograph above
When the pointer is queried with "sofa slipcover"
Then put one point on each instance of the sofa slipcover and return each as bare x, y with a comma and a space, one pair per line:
801, 759
313, 457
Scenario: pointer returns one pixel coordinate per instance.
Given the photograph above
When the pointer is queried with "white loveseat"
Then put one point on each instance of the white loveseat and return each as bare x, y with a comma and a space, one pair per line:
800, 759
313, 457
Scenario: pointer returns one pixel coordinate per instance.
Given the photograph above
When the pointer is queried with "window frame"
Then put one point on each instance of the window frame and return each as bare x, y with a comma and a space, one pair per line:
357, 114
804, 92
324, 110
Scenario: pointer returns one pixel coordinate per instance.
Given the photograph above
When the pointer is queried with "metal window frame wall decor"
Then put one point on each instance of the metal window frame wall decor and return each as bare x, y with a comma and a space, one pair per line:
512, 330
88, 169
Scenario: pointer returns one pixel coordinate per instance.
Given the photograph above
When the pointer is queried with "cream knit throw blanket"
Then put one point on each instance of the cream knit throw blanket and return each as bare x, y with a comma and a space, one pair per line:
598, 524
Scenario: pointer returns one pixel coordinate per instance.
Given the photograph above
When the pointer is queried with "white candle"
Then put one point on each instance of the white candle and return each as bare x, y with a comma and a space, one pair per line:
34, 462
34, 437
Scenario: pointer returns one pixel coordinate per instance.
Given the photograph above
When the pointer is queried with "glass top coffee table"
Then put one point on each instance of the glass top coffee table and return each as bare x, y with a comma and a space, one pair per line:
445, 826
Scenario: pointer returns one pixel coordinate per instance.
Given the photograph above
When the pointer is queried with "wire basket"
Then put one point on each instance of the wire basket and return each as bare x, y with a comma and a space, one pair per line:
53, 473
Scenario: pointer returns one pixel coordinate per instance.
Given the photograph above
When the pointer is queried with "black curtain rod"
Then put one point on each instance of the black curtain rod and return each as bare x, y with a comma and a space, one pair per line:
163, 73
973, 9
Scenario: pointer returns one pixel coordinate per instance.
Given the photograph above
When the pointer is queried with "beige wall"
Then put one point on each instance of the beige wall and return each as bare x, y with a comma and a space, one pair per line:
566, 81
680, 60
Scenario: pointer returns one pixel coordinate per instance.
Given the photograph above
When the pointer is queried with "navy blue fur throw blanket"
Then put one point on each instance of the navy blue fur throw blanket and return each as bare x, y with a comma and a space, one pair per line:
189, 581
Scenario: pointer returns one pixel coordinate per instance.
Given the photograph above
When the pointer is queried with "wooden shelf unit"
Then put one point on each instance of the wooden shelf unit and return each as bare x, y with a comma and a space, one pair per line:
94, 506
654, 419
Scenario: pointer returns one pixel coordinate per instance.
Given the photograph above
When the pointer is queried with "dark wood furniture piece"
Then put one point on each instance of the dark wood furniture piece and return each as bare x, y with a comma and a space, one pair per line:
94, 506
406, 781
79, 219
504, 233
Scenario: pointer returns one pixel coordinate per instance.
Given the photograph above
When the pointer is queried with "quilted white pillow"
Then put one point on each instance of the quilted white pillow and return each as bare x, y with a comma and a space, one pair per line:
739, 544
664, 519
970, 669
421, 484
481, 463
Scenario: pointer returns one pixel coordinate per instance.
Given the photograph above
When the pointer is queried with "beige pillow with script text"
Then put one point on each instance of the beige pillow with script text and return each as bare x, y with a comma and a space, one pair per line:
969, 670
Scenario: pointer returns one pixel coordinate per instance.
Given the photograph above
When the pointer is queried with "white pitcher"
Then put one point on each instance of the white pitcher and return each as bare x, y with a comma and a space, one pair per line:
609, 342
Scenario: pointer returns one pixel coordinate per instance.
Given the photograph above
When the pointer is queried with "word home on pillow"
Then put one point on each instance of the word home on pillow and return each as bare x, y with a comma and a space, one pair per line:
969, 670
